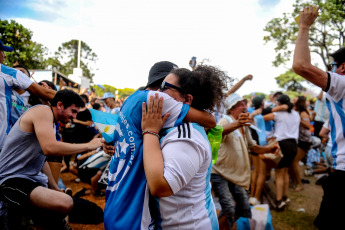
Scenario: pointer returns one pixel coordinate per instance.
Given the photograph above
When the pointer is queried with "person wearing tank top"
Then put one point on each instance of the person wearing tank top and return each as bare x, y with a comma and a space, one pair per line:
25, 178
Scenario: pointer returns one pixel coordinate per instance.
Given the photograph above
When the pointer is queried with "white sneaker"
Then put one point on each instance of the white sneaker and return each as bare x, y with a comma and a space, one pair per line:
253, 201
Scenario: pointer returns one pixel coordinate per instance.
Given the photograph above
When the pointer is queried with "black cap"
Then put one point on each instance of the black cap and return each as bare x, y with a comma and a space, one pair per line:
339, 55
160, 70
257, 101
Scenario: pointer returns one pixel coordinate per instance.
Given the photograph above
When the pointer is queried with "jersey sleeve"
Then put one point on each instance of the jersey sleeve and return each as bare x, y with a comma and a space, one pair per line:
15, 77
336, 86
182, 161
177, 110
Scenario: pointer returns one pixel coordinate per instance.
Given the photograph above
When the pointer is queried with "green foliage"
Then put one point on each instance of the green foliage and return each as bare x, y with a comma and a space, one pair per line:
326, 35
290, 81
25, 51
123, 93
66, 58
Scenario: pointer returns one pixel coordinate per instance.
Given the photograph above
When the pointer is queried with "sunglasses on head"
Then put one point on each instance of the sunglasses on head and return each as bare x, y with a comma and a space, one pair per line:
166, 85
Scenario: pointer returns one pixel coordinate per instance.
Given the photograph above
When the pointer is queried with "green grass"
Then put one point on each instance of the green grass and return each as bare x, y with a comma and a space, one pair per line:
290, 219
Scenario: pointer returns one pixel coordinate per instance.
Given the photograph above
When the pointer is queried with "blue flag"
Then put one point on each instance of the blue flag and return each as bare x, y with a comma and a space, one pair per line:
106, 123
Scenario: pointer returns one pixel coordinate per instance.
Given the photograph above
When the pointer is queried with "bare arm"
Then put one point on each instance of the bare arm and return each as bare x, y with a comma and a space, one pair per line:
85, 123
243, 120
41, 121
269, 117
40, 91
305, 120
324, 132
51, 182
302, 61
152, 153
239, 84
203, 118
265, 149
319, 97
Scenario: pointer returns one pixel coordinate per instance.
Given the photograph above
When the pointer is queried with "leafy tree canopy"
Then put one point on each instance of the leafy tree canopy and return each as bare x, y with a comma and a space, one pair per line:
66, 58
25, 51
123, 93
326, 35
290, 81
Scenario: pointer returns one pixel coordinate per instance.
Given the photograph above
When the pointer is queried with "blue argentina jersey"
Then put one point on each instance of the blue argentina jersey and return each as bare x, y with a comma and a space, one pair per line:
187, 169
127, 194
336, 104
18, 107
9, 79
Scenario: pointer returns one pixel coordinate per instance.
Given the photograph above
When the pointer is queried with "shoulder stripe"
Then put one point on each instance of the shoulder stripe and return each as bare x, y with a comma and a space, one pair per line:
184, 131
188, 128
179, 131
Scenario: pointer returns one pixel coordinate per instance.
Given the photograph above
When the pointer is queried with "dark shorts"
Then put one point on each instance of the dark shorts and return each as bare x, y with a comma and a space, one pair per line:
289, 150
331, 214
304, 145
16, 191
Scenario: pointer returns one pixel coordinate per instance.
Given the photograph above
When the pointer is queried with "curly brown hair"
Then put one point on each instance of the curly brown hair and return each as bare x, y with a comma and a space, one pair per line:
206, 84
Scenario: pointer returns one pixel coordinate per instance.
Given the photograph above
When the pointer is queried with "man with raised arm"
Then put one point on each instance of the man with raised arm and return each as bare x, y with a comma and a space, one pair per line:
333, 83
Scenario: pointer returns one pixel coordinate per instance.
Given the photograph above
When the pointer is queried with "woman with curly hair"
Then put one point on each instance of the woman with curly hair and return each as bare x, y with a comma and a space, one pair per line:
178, 161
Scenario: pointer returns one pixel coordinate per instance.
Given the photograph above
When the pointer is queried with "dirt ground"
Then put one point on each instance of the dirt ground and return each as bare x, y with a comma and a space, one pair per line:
293, 218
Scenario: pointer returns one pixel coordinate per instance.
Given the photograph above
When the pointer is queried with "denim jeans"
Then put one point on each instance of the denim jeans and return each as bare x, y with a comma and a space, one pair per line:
229, 193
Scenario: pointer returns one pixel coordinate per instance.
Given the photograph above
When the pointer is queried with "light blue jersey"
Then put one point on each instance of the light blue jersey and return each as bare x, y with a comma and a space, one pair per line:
9, 78
127, 194
336, 104
187, 169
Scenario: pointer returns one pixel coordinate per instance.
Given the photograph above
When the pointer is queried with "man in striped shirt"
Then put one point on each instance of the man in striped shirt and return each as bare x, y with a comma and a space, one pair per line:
333, 83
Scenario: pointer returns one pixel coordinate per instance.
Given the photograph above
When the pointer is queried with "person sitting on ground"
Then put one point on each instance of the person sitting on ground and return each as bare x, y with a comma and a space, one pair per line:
26, 182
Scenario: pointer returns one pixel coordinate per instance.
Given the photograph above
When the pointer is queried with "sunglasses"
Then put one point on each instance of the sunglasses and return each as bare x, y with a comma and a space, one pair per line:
166, 85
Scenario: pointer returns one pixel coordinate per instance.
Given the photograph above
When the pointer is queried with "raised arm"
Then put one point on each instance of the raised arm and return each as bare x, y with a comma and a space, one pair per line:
301, 60
203, 118
239, 84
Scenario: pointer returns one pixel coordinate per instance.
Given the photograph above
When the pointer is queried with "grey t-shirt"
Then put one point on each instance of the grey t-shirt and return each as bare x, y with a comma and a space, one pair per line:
22, 156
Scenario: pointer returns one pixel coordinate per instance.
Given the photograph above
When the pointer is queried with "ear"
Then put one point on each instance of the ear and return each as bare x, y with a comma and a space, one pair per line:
342, 68
59, 105
189, 99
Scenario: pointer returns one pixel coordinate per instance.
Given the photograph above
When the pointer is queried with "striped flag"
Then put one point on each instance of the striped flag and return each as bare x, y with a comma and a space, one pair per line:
105, 123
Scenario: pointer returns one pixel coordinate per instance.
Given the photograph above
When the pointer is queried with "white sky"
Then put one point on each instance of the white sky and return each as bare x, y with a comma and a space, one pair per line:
130, 36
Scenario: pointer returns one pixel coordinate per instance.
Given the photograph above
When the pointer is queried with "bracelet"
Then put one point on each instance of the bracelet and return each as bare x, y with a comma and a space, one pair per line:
150, 132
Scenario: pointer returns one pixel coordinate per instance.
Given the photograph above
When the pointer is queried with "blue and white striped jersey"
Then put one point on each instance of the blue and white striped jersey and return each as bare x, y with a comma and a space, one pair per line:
336, 104
127, 194
9, 79
187, 168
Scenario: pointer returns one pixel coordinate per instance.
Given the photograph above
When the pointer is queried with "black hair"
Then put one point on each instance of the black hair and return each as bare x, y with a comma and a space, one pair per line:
206, 84
301, 104
285, 100
277, 94
85, 98
49, 83
21, 66
68, 98
96, 106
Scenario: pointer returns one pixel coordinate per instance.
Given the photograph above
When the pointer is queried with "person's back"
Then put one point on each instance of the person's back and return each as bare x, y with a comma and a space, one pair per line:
126, 191
191, 205
286, 125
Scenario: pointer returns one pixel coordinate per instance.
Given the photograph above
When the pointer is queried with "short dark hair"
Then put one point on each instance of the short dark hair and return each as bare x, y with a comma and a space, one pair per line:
339, 55
49, 83
96, 106
68, 98
85, 98
21, 66
206, 84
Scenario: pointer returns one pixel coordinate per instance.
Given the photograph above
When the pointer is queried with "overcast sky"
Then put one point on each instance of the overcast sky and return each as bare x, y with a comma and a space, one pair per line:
130, 36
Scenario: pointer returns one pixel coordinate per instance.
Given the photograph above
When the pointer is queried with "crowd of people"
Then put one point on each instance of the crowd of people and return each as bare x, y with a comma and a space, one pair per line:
158, 173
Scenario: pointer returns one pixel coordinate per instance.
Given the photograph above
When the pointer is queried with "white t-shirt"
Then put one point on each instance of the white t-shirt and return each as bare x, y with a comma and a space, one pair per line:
9, 78
286, 125
336, 104
187, 168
